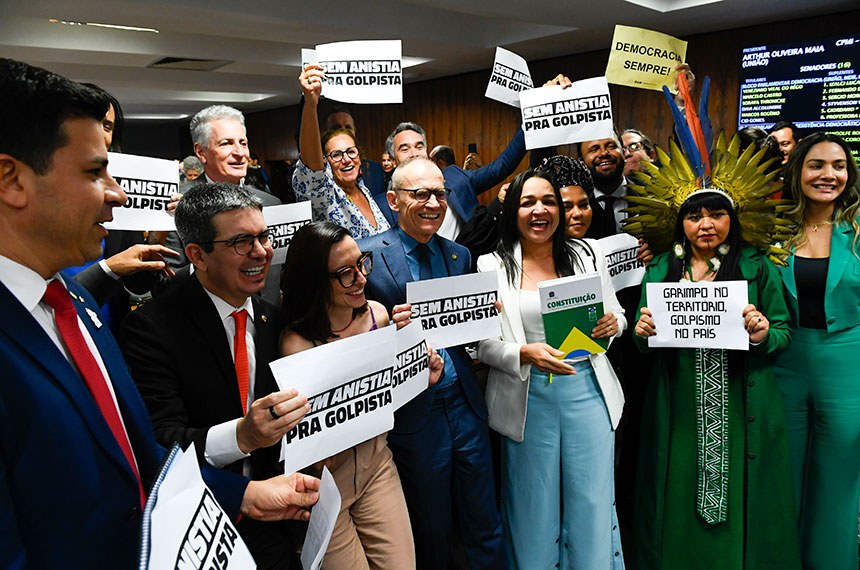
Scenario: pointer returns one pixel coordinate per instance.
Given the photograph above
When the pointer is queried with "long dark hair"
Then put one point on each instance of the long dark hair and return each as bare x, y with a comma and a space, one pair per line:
118, 120
710, 201
306, 283
565, 257
847, 205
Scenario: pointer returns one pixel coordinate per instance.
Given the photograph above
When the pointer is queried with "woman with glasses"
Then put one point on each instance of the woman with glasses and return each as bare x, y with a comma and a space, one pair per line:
324, 279
328, 173
558, 416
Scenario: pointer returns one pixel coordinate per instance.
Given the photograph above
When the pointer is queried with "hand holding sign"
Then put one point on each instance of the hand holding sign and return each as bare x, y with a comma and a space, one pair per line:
269, 418
311, 81
756, 324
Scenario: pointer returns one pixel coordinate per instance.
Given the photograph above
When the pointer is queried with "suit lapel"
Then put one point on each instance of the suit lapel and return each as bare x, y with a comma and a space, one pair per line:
395, 262
840, 249
205, 318
788, 276
455, 263
266, 345
22, 329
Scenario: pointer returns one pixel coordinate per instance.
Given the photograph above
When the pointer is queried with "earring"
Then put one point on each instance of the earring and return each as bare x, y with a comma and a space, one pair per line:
678, 250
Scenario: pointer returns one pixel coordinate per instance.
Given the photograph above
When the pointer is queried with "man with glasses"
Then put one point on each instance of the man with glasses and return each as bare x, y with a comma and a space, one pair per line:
408, 140
440, 439
199, 353
638, 149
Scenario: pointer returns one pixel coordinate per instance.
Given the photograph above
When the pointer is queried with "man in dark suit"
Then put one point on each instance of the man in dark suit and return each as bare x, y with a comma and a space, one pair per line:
221, 144
200, 353
440, 439
408, 140
77, 452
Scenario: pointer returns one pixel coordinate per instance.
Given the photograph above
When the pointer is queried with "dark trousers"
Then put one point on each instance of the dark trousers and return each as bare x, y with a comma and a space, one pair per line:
446, 469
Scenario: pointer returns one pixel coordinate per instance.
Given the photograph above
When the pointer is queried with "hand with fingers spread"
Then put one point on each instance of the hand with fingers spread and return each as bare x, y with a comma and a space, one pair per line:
141, 257
269, 418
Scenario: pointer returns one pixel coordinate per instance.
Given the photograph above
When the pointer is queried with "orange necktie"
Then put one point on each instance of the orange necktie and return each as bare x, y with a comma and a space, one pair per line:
240, 350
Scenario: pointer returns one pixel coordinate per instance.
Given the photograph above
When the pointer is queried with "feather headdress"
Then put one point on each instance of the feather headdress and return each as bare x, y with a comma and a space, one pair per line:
740, 176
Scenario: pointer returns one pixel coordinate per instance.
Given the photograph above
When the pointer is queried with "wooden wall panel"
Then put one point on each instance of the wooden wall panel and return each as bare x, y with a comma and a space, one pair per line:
454, 110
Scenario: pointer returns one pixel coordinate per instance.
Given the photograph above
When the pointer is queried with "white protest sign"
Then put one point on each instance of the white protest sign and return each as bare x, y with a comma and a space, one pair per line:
284, 221
348, 385
698, 315
456, 310
643, 58
624, 269
148, 183
321, 525
554, 116
189, 529
510, 76
308, 56
362, 72
411, 374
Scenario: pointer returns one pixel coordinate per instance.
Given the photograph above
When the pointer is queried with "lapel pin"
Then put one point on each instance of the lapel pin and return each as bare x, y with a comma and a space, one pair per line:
454, 256
264, 318
94, 317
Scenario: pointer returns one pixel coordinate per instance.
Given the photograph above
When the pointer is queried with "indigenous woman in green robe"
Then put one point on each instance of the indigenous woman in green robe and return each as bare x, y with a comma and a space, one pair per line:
714, 488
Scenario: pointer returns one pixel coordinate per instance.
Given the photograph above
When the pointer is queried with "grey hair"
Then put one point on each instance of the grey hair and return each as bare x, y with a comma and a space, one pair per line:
397, 177
192, 163
201, 129
197, 208
405, 126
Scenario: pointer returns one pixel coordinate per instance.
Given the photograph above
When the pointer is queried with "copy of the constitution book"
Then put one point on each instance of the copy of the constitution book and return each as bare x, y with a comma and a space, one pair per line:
570, 307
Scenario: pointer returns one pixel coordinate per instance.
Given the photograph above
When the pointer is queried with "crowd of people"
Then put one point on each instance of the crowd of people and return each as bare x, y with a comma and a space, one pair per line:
640, 457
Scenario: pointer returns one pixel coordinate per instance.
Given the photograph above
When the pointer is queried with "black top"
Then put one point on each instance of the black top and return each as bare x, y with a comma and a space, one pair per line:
811, 278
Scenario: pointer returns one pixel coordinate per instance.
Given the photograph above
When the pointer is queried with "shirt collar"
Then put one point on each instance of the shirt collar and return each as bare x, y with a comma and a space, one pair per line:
619, 192
410, 243
25, 284
210, 181
225, 309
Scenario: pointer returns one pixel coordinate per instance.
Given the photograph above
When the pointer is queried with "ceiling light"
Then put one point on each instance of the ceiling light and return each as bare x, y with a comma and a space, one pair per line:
410, 61
671, 5
99, 25
157, 116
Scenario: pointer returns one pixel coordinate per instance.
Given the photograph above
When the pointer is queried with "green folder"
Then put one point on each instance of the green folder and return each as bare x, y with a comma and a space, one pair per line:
571, 307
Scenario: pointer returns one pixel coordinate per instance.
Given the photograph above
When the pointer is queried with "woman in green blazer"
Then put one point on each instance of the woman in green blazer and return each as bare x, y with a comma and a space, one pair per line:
817, 374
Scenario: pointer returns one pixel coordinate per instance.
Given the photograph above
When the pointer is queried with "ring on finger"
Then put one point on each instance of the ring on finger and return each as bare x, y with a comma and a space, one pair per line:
274, 414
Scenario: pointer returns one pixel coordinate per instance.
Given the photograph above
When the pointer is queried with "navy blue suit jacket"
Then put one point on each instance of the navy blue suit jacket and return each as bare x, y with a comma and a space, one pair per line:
465, 185
387, 285
68, 498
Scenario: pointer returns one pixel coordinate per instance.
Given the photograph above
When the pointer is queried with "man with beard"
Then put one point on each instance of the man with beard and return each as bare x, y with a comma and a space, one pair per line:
604, 159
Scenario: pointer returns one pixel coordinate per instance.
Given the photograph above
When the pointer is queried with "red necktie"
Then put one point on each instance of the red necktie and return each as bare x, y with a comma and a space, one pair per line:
240, 350
66, 317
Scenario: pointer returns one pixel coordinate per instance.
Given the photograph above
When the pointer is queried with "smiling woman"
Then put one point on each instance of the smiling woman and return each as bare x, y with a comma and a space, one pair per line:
817, 374
558, 417
329, 170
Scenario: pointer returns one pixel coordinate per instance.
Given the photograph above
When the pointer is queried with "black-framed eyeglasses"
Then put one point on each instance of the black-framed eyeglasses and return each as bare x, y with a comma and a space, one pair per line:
423, 194
244, 243
348, 274
633, 147
337, 155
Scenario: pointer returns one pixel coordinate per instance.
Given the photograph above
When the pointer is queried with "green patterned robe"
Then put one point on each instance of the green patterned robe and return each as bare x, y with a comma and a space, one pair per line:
759, 532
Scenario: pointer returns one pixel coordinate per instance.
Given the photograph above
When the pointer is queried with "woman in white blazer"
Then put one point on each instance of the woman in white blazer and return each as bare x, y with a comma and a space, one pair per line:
557, 417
